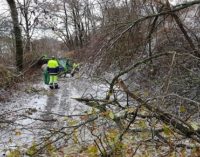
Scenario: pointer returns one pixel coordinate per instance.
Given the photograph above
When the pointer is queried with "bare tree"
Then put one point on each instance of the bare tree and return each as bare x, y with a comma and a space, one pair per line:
18, 35
30, 14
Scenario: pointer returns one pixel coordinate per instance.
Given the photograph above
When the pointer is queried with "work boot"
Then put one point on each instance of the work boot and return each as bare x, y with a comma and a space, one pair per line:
56, 86
51, 86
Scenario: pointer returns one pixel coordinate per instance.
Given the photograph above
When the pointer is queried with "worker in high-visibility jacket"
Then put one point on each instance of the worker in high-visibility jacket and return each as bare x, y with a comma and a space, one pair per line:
53, 70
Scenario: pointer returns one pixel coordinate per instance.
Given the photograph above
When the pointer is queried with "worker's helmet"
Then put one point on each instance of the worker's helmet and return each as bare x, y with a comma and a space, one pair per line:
53, 57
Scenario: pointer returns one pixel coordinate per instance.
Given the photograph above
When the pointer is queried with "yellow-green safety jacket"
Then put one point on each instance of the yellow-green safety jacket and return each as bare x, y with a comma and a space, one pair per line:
52, 67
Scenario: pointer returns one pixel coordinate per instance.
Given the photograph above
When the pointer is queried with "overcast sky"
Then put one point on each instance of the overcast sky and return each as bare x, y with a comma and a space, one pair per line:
5, 11
4, 5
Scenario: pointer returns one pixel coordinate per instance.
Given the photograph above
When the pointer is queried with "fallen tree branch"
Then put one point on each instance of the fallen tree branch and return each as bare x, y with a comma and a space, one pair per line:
93, 103
178, 125
128, 126
144, 61
39, 119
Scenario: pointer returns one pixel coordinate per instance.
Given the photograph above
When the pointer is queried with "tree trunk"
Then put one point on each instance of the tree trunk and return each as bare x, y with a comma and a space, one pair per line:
68, 39
152, 27
187, 37
18, 35
28, 38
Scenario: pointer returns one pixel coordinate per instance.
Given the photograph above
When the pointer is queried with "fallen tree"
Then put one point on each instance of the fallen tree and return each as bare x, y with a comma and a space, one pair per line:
142, 115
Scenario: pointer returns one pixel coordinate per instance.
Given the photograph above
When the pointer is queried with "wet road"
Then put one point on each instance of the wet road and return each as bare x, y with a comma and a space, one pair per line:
29, 112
